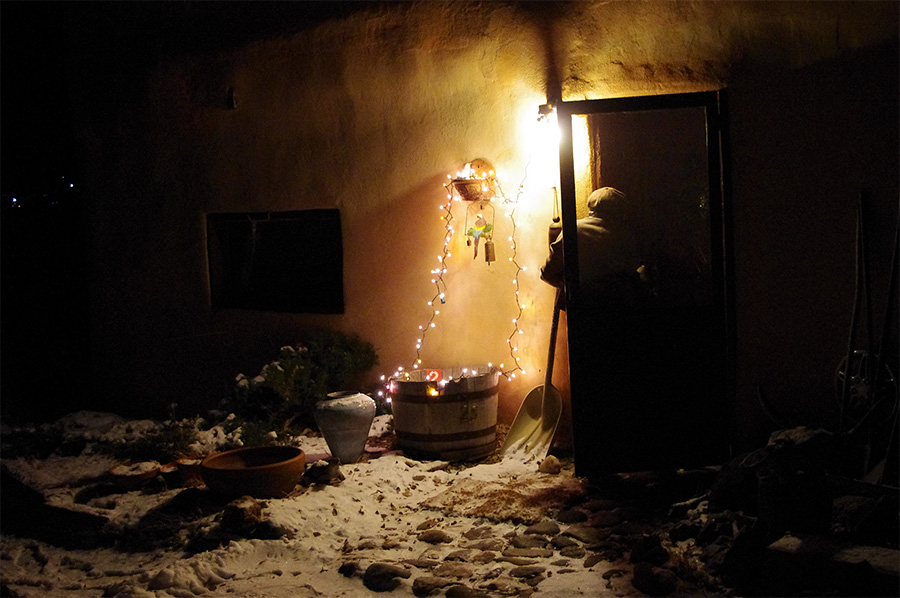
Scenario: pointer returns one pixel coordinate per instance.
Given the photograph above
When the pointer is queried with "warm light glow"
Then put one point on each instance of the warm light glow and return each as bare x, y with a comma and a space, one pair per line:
540, 141
581, 150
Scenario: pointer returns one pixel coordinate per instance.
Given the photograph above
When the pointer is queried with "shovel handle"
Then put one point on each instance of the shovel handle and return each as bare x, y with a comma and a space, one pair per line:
554, 329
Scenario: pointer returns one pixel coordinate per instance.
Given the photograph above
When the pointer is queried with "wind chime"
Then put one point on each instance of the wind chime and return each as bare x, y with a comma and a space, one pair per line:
476, 185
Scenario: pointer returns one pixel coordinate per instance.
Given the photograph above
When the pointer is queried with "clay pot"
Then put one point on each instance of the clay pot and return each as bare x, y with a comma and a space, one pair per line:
260, 472
131, 476
171, 475
345, 419
189, 468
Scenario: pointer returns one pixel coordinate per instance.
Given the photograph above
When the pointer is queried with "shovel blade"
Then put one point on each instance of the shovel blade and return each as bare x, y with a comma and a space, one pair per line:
535, 424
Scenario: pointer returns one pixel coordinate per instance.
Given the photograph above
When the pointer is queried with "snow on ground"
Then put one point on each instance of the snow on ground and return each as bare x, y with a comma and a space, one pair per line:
377, 514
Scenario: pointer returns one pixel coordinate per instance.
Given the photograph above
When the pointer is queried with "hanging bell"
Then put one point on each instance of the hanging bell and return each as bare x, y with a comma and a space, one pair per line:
489, 254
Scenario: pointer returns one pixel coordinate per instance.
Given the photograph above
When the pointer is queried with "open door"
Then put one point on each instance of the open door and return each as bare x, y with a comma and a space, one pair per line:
651, 388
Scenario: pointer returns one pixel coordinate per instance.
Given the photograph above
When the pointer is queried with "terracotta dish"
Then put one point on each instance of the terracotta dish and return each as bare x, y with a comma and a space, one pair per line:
131, 476
261, 472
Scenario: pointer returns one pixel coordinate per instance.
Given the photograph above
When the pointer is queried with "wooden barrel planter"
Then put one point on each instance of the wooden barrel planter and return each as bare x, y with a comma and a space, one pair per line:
449, 415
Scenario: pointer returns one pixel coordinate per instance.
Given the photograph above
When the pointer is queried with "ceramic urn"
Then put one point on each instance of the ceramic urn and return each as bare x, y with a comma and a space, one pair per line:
344, 419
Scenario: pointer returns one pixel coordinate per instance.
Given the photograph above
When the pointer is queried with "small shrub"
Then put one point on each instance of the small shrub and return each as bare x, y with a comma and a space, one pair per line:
285, 391
170, 442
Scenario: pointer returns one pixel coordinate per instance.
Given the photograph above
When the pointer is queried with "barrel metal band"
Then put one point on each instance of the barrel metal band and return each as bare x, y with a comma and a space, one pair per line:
413, 436
403, 397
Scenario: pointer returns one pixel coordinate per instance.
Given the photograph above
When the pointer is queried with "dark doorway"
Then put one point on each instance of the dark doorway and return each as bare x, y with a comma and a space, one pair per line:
651, 384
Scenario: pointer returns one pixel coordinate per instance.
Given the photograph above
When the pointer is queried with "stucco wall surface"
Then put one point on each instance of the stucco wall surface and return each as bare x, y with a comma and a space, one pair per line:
369, 114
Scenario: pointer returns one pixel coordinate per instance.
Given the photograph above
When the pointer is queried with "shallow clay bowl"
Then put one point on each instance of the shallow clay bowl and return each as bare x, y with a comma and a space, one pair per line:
261, 472
131, 476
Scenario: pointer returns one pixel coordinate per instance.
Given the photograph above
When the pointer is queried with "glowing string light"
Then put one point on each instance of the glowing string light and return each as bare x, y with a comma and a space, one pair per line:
440, 286
520, 306
438, 278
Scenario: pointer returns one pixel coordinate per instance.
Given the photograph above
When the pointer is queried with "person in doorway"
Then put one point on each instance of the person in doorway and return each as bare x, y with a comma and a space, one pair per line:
607, 356
609, 262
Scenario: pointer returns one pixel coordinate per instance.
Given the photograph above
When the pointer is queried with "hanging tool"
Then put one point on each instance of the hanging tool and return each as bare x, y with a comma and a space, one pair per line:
534, 427
868, 390
556, 224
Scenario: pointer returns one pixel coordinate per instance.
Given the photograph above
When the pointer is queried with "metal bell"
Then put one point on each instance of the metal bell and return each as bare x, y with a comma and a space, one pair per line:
489, 253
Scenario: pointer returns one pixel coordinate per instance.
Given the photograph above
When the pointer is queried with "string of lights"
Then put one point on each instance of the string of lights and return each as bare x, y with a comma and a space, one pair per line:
440, 294
439, 297
438, 274
520, 307
438, 277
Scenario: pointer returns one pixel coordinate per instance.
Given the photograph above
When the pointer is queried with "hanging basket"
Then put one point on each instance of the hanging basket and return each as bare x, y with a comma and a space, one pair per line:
473, 189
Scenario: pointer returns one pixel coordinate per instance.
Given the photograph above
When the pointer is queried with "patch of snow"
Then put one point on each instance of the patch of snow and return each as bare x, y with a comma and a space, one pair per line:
374, 515
381, 425
89, 421
216, 439
142, 467
104, 427
56, 472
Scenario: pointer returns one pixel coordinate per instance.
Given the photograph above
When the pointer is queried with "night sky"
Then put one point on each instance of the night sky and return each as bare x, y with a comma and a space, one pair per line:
35, 132
44, 345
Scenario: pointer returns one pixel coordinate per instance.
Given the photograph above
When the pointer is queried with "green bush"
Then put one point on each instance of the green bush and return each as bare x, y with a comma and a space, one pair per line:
171, 441
286, 390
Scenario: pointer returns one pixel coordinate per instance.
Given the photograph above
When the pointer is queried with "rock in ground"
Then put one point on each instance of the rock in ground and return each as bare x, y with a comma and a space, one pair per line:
382, 577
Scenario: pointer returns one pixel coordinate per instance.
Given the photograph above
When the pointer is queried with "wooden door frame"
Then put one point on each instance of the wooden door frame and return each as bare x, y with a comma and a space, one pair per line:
721, 241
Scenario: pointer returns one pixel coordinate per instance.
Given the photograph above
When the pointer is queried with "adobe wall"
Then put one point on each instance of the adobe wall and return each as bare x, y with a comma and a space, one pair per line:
370, 113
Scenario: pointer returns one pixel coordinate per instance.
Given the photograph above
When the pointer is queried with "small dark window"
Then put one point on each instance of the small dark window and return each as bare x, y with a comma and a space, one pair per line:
280, 261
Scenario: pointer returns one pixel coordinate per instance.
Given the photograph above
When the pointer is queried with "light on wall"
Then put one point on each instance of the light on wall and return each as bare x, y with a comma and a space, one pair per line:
548, 128
545, 111
539, 138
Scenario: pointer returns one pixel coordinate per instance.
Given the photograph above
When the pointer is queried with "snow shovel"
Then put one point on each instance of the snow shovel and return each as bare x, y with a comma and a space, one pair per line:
535, 424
